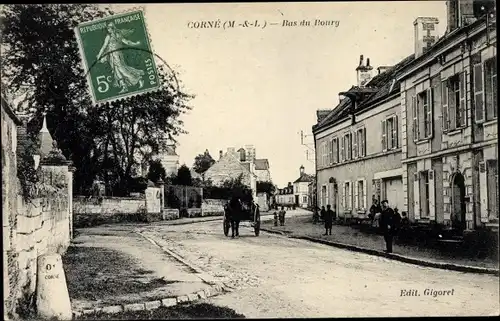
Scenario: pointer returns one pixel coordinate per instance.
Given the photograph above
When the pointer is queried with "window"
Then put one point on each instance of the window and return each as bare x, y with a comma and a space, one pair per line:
415, 128
361, 142
347, 150
335, 150
454, 102
490, 88
424, 193
422, 115
304, 199
347, 196
390, 133
360, 195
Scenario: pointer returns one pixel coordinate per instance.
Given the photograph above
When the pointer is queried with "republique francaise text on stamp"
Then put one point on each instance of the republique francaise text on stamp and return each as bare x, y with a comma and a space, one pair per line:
117, 56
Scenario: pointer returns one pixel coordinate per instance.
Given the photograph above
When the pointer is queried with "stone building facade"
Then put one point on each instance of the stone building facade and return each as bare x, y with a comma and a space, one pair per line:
353, 167
449, 121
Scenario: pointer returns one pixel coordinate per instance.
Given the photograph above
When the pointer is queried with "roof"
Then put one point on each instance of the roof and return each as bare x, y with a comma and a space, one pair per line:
45, 139
378, 88
261, 164
304, 178
170, 150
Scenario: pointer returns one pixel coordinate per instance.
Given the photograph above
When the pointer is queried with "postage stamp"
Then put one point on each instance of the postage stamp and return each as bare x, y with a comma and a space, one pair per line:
117, 56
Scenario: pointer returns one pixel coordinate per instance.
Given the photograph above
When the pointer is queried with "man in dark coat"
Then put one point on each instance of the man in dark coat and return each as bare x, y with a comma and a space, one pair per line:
329, 217
387, 225
236, 208
322, 213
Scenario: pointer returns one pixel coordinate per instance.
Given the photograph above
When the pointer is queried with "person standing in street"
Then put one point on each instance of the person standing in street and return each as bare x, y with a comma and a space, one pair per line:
329, 216
387, 222
282, 216
322, 213
374, 210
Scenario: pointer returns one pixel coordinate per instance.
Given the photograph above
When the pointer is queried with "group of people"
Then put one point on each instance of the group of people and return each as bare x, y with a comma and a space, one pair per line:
327, 215
280, 216
389, 221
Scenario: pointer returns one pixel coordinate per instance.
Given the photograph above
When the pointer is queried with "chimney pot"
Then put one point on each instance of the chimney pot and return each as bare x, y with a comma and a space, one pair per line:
367, 62
220, 154
360, 60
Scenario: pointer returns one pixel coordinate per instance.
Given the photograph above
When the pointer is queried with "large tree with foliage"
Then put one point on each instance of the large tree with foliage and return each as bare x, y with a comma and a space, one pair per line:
156, 171
184, 176
202, 162
41, 61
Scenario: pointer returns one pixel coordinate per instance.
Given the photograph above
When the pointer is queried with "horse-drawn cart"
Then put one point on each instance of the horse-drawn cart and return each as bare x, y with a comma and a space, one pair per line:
248, 212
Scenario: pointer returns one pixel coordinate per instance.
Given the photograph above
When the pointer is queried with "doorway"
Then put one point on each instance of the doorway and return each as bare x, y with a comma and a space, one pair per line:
458, 202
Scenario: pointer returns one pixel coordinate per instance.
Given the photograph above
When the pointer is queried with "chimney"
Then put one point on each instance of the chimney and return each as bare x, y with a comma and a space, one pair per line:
250, 153
220, 154
383, 69
364, 73
425, 34
301, 170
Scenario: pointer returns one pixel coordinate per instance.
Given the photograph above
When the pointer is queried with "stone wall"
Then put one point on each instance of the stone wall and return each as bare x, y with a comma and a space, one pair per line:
31, 227
212, 207
91, 211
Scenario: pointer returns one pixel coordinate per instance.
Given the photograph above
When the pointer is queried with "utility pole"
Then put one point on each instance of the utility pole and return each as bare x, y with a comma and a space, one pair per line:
310, 147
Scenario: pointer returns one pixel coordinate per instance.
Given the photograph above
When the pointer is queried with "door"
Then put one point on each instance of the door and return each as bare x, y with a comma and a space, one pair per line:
297, 200
394, 192
458, 202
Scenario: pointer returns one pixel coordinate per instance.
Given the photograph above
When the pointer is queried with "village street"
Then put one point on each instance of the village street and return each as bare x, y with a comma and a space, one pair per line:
274, 276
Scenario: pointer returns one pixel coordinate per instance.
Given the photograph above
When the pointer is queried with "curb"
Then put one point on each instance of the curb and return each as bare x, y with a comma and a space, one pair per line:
396, 257
149, 305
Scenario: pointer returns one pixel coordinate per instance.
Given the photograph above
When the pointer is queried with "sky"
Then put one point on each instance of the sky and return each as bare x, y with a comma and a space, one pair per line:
262, 86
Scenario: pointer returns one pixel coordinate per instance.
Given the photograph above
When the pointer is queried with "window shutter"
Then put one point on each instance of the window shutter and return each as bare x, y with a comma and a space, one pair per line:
432, 196
463, 103
483, 192
350, 196
342, 149
430, 120
344, 196
415, 117
349, 143
490, 88
355, 144
479, 93
364, 194
336, 150
356, 202
395, 131
444, 105
364, 142
384, 135
416, 196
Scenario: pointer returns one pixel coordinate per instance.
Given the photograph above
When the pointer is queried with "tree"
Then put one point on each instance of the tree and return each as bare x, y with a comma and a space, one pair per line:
266, 187
202, 162
184, 176
156, 171
41, 61
237, 188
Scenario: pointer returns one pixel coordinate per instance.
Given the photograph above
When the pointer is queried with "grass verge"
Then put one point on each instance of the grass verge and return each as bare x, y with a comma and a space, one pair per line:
182, 311
95, 273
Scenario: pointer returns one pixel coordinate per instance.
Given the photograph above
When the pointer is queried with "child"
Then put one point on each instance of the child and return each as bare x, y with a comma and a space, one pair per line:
275, 219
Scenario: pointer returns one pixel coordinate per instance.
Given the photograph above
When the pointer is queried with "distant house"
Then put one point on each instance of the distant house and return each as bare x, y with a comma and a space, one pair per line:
169, 159
301, 188
242, 161
262, 170
285, 196
229, 166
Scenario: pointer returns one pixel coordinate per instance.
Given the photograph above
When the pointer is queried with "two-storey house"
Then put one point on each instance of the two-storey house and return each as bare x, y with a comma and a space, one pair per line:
301, 188
358, 145
449, 120
285, 196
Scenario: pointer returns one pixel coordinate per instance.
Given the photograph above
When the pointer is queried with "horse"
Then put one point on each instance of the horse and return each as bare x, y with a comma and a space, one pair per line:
233, 215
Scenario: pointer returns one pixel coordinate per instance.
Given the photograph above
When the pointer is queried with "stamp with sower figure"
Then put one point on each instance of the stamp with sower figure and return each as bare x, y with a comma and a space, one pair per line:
117, 56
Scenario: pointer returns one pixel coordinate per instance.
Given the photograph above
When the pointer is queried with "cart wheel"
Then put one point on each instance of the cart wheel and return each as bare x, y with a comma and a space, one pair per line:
226, 226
